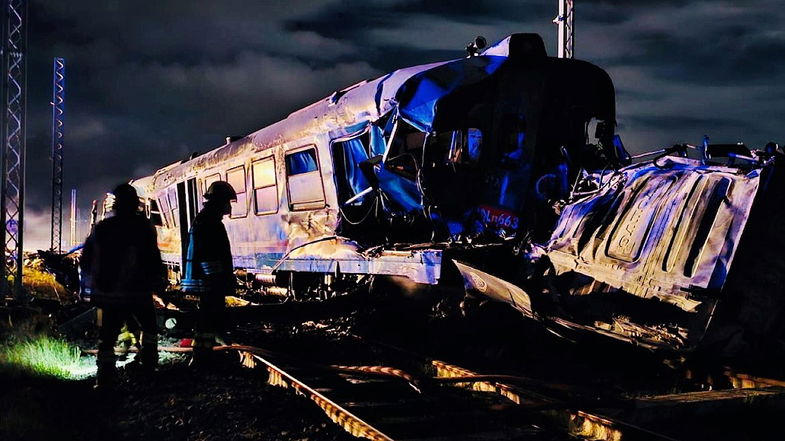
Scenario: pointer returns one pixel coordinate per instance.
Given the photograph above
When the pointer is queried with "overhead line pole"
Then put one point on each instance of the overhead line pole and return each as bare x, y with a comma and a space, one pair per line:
566, 23
74, 214
12, 132
58, 116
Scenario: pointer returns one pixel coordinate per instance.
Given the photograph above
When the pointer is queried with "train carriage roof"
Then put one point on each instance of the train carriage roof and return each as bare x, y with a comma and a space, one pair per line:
413, 91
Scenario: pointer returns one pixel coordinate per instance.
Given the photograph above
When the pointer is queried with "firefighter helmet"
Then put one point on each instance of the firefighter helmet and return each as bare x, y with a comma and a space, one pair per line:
125, 198
220, 191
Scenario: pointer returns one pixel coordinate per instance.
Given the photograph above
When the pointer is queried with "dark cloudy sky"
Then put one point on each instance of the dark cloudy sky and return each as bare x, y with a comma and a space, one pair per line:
150, 82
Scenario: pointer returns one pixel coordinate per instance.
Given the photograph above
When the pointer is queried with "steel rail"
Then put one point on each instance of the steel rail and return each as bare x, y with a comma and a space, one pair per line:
338, 414
554, 412
575, 422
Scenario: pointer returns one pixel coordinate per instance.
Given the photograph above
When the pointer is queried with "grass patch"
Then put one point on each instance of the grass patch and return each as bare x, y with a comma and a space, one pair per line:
46, 356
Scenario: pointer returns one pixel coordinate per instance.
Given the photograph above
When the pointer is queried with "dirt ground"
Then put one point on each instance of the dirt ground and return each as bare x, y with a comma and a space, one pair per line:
176, 403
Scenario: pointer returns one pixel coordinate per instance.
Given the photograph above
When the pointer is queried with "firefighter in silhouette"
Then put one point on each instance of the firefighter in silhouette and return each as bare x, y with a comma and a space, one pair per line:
209, 272
122, 267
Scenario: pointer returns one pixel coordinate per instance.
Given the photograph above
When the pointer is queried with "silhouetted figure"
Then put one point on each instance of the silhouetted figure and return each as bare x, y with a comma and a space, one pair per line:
122, 266
209, 272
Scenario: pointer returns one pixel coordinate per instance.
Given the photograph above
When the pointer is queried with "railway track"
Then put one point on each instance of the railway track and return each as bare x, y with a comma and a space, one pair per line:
378, 391
405, 395
377, 388
383, 403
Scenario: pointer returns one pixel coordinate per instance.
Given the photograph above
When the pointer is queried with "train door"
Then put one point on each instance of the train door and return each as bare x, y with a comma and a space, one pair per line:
192, 195
187, 197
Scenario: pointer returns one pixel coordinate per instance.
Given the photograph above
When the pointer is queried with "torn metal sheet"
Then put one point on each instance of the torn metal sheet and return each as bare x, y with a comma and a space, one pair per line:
644, 255
495, 288
662, 231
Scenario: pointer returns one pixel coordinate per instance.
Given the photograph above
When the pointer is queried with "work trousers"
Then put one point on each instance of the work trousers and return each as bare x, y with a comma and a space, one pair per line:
111, 320
210, 324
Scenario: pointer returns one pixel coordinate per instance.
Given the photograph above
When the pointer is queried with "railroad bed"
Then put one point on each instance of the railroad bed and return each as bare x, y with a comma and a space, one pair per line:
402, 376
377, 390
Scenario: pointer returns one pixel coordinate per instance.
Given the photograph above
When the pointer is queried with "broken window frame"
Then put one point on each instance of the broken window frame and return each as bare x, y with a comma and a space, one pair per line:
460, 152
274, 185
417, 161
366, 131
174, 208
162, 204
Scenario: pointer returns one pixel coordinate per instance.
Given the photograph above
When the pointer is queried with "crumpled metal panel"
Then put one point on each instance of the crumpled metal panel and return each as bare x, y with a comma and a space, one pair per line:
497, 289
658, 231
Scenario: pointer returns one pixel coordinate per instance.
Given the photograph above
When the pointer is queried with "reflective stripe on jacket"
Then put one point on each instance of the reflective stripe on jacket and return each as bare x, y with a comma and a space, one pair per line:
208, 262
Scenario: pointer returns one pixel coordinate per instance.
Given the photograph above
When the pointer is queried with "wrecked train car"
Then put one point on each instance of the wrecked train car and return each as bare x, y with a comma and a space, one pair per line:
665, 254
381, 178
481, 161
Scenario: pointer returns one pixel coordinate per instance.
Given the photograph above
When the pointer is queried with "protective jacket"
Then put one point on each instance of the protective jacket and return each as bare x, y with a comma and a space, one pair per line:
121, 261
208, 263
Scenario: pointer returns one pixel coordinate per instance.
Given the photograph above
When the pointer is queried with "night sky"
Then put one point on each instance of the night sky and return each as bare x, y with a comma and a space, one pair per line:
150, 82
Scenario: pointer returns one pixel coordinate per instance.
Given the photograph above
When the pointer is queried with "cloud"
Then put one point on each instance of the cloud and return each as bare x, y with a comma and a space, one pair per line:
146, 86
151, 85
86, 130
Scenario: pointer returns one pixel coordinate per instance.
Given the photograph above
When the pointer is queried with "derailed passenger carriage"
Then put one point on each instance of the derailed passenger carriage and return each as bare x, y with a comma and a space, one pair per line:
478, 164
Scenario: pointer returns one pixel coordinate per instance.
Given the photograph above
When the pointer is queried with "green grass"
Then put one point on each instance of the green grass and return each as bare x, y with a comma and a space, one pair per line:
48, 357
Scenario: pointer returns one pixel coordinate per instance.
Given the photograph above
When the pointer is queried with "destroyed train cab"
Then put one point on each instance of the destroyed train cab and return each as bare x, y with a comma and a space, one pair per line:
498, 173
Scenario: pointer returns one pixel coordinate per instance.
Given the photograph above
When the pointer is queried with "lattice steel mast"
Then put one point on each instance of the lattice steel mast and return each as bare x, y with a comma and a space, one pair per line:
58, 118
74, 213
14, 96
566, 22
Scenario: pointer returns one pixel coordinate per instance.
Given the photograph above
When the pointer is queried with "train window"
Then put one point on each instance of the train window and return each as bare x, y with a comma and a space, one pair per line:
265, 190
473, 144
155, 213
347, 157
404, 155
205, 185
301, 162
174, 210
462, 146
236, 178
209, 180
164, 209
304, 182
